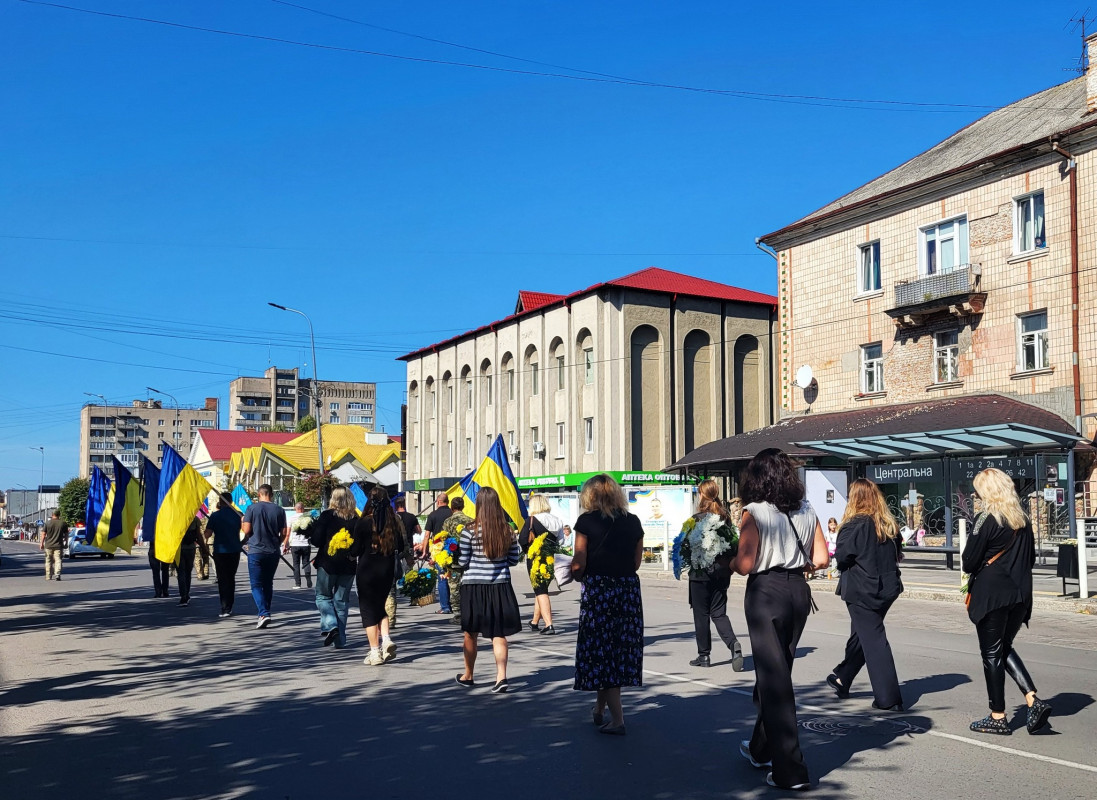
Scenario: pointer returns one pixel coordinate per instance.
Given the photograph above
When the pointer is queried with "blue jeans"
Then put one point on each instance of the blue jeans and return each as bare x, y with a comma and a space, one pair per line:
333, 601
261, 569
443, 595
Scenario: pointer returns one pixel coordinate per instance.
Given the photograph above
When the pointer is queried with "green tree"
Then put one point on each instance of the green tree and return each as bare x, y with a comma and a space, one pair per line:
306, 423
277, 427
311, 489
73, 500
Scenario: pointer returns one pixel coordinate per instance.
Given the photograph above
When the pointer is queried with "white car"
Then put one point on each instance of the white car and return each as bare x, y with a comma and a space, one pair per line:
11, 533
78, 545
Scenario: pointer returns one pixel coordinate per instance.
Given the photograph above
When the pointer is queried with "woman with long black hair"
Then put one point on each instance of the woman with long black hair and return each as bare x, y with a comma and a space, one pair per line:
780, 541
375, 540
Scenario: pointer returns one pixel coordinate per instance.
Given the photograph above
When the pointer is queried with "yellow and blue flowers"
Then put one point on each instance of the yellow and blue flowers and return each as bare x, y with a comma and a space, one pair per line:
417, 583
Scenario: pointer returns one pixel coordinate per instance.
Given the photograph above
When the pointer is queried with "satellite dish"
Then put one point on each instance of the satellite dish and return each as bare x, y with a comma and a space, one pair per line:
804, 377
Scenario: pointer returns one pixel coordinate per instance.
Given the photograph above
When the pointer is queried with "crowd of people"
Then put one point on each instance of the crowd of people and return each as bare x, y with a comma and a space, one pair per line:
781, 544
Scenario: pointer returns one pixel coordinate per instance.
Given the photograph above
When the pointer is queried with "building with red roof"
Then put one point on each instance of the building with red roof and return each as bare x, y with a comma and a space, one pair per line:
626, 374
211, 449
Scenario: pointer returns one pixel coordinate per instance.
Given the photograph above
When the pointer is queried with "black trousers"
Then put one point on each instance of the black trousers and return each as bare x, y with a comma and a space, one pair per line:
777, 605
183, 571
868, 645
161, 574
996, 632
301, 563
226, 565
709, 601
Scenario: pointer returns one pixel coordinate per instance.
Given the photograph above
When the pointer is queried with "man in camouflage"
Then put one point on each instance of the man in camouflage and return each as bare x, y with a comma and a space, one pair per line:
453, 526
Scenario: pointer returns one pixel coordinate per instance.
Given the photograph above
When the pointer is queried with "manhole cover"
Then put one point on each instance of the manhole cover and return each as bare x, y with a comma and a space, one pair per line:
838, 725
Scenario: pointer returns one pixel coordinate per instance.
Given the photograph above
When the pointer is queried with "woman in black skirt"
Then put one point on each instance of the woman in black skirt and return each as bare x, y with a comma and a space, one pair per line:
489, 549
375, 538
609, 651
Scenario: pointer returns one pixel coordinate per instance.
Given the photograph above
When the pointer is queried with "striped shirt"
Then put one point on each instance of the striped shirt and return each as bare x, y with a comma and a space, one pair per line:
478, 568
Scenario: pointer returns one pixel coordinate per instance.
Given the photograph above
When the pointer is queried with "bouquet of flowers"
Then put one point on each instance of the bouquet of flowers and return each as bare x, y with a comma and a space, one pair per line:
701, 541
342, 540
541, 557
443, 550
417, 583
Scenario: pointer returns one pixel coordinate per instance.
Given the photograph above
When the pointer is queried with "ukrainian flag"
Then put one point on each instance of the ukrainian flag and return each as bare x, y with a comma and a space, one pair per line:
494, 471
126, 506
359, 497
240, 498
181, 493
150, 489
102, 530
97, 498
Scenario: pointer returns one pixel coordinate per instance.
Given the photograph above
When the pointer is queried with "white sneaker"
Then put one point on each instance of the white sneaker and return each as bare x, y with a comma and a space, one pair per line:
388, 650
744, 751
263, 622
374, 659
796, 787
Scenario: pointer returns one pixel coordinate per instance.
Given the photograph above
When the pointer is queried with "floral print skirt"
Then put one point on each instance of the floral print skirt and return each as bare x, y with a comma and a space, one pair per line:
609, 651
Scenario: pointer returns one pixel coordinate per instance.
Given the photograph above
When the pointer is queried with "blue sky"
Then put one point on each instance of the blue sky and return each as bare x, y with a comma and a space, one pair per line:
159, 184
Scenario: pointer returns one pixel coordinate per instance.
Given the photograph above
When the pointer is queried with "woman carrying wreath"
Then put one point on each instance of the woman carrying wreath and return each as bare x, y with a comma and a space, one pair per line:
375, 543
708, 589
541, 521
332, 537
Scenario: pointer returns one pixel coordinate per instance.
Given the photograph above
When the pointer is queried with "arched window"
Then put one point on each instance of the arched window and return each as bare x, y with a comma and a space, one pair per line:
486, 383
648, 418
584, 352
532, 370
697, 395
467, 387
448, 393
431, 398
558, 365
510, 379
749, 404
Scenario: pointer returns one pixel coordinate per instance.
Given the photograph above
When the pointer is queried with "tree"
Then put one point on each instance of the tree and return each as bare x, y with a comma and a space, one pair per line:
73, 500
310, 490
306, 423
277, 427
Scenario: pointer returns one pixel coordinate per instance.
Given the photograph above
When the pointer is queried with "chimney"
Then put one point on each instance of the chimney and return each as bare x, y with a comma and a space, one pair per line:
211, 403
1091, 73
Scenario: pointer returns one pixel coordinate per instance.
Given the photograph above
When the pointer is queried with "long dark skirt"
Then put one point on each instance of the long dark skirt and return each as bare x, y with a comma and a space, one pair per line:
490, 609
373, 582
609, 651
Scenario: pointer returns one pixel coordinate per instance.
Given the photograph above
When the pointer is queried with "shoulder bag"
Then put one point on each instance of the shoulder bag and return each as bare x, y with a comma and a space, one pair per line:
809, 565
995, 557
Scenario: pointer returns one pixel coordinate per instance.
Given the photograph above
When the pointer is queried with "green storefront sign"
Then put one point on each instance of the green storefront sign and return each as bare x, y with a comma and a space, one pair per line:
573, 480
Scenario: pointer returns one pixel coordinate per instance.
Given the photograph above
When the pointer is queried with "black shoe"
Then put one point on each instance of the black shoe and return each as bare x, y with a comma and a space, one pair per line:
989, 724
1038, 714
796, 787
331, 636
500, 687
548, 631
737, 657
468, 684
184, 602
839, 689
897, 708
533, 626
701, 661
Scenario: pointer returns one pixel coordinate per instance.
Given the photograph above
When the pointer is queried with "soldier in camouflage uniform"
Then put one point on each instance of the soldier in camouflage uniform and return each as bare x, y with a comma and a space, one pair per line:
453, 526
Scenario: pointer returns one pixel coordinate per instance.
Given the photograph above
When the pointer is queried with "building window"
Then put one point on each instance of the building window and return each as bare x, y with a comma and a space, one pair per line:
561, 443
433, 457
588, 365
535, 378
357, 407
333, 419
468, 392
1032, 341
468, 453
560, 372
944, 246
333, 407
487, 390
160, 423
449, 450
872, 368
868, 276
510, 439
588, 434
433, 404
449, 399
510, 384
359, 419
946, 354
1028, 223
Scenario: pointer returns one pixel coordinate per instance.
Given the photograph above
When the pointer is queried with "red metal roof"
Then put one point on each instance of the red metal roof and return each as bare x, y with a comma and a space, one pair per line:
528, 301
222, 444
652, 279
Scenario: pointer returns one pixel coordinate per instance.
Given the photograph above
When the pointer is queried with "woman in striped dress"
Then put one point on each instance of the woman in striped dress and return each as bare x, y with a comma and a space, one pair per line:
489, 549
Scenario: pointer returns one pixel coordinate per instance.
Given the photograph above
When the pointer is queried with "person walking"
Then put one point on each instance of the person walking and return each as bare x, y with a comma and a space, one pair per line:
331, 534
455, 523
998, 557
489, 608
780, 539
868, 553
541, 521
708, 590
161, 572
265, 534
52, 542
187, 549
299, 548
224, 528
375, 541
609, 649
435, 524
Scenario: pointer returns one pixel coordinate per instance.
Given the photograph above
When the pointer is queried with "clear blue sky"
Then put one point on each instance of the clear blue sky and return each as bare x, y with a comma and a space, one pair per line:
172, 181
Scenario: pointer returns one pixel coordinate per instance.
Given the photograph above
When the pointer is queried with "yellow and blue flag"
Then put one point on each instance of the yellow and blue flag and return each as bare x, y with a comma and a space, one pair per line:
150, 489
182, 491
125, 509
99, 536
494, 471
240, 498
97, 499
359, 497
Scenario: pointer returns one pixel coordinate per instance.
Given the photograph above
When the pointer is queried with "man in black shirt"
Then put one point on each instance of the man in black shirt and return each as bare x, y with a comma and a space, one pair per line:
53, 542
434, 523
411, 522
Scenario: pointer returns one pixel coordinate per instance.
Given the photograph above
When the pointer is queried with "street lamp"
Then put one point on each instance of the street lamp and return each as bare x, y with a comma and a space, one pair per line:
42, 477
315, 389
176, 432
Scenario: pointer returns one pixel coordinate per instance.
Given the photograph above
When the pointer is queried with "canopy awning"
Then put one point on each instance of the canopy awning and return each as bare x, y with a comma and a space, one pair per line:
975, 440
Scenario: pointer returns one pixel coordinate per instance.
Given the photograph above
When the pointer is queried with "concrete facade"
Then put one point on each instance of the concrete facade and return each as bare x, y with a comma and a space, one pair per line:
282, 397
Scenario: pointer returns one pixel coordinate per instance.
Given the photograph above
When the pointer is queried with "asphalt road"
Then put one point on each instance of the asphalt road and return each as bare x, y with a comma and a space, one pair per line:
106, 692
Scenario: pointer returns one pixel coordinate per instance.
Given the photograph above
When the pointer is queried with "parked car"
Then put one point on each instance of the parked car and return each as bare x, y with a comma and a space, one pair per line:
78, 545
10, 533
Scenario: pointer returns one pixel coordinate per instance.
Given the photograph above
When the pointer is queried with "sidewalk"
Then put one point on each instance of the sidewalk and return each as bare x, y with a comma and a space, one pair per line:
925, 577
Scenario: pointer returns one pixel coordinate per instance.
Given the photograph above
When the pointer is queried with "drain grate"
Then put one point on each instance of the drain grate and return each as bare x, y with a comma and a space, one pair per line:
839, 725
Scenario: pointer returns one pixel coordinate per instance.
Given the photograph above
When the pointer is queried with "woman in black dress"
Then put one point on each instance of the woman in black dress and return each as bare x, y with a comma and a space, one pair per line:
375, 538
867, 554
609, 650
999, 556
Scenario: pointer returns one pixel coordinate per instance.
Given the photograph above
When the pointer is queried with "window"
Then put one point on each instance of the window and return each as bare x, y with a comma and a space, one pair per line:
357, 407
510, 384
449, 399
433, 457
333, 419
560, 372
588, 365
588, 434
487, 390
535, 436
1028, 223
449, 450
561, 444
535, 378
468, 453
160, 423
160, 435
868, 276
872, 368
333, 407
468, 392
433, 402
1032, 341
510, 439
285, 404
946, 352
944, 246
359, 419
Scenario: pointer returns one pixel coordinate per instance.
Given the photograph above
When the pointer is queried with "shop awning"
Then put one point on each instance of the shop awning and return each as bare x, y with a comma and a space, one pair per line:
969, 425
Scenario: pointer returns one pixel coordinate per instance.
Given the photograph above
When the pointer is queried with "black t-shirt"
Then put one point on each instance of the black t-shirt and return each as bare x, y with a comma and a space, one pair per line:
611, 543
411, 522
436, 518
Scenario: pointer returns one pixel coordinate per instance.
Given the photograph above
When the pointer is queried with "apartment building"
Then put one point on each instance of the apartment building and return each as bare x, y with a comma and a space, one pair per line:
627, 374
141, 428
281, 397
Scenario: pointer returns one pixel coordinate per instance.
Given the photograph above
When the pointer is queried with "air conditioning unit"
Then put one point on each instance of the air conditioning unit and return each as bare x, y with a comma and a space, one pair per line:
515, 452
538, 448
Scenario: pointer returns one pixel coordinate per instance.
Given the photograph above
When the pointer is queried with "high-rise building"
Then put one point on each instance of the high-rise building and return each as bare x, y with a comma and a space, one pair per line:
139, 429
282, 397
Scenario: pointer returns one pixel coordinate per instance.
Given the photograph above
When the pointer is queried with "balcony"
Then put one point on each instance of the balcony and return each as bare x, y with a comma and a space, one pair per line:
957, 293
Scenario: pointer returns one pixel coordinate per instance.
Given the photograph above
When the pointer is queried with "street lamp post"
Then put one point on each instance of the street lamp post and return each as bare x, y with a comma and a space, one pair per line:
42, 476
315, 390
